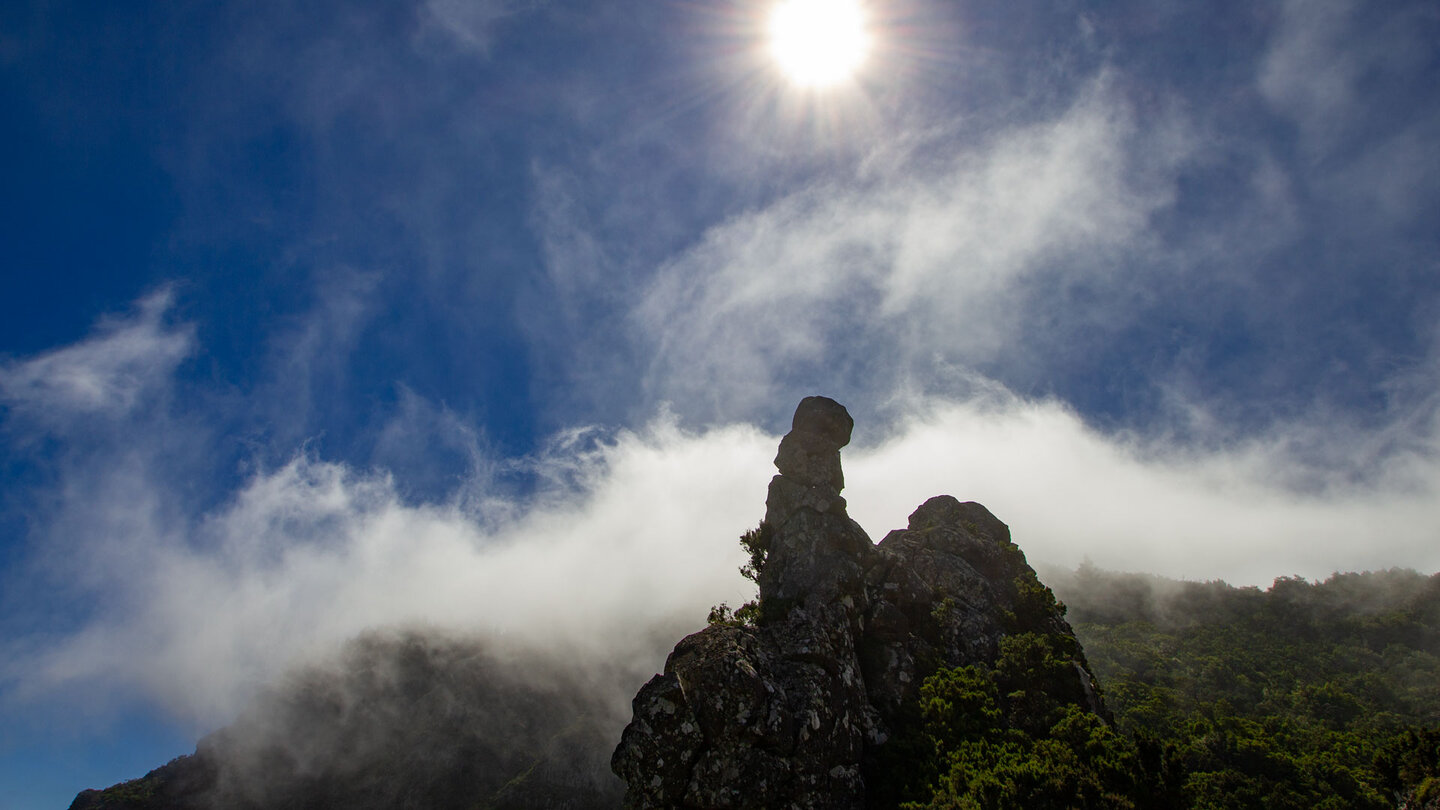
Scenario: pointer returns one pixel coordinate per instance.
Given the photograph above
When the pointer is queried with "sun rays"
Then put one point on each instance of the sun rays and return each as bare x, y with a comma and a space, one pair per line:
818, 43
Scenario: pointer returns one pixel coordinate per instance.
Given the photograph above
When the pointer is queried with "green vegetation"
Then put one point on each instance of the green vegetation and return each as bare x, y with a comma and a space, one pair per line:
1034, 603
1305, 695
1008, 737
747, 615
136, 793
756, 543
1318, 696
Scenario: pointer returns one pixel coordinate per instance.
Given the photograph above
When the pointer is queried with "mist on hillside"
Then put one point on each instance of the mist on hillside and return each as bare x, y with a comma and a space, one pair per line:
1096, 595
418, 719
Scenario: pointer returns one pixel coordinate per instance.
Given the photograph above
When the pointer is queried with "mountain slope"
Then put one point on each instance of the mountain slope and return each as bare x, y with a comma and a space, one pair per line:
403, 720
1303, 695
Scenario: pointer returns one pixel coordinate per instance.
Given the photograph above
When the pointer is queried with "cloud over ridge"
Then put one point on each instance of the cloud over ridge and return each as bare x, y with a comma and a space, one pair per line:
635, 534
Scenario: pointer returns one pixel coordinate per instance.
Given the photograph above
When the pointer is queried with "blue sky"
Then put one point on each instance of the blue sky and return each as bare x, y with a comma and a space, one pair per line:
486, 315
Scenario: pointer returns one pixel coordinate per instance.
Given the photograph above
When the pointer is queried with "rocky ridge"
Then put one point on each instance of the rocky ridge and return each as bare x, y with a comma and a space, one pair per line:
795, 710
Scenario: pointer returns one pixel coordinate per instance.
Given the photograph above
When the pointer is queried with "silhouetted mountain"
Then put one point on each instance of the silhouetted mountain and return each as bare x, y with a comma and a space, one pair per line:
797, 708
403, 720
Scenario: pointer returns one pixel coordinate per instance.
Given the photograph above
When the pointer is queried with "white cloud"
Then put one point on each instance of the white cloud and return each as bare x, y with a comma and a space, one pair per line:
108, 374
921, 262
195, 616
639, 539
1245, 513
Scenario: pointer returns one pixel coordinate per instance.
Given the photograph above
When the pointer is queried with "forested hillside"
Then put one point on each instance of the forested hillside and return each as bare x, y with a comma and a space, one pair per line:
1323, 695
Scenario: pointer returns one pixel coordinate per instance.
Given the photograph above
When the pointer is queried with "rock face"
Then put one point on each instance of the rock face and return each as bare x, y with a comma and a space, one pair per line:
793, 712
817, 553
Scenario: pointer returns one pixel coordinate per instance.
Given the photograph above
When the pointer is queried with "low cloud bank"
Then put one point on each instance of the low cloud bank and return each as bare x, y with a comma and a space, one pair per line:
1246, 513
310, 555
632, 535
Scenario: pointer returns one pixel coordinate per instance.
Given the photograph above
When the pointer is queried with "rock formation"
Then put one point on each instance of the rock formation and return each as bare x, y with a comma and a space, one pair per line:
795, 711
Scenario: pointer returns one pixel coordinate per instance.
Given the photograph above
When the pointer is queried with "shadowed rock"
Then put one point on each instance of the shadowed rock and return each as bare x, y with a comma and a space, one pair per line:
810, 453
795, 711
817, 553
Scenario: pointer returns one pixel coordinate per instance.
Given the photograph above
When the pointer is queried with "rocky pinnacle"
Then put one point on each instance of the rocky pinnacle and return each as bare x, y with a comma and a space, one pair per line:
796, 710
817, 553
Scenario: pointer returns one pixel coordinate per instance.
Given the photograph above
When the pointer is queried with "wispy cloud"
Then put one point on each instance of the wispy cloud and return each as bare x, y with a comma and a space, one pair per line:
195, 611
106, 375
1327, 59
1340, 70
638, 537
473, 22
928, 259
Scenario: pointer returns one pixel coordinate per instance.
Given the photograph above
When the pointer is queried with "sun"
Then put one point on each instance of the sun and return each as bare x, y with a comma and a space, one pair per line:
818, 43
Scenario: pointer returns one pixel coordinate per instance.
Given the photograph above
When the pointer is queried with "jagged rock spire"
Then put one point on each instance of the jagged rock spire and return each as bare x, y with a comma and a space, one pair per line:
809, 462
796, 711
817, 553
810, 452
